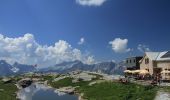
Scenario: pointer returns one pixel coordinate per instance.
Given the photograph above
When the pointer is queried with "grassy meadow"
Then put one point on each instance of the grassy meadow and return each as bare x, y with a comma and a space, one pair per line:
110, 90
7, 91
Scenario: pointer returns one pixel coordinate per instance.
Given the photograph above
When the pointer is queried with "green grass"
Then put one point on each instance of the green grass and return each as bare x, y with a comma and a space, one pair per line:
62, 83
67, 82
118, 91
16, 78
110, 90
49, 78
9, 91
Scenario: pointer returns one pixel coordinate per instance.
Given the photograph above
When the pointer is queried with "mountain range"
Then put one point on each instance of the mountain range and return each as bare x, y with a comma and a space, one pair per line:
16, 68
64, 67
103, 67
5, 68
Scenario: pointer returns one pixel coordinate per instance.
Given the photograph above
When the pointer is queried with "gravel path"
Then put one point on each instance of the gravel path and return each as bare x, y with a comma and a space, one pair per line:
162, 96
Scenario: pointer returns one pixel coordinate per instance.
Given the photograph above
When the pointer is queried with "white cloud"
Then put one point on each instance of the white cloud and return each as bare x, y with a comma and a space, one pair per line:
27, 51
119, 45
90, 2
143, 48
82, 41
90, 60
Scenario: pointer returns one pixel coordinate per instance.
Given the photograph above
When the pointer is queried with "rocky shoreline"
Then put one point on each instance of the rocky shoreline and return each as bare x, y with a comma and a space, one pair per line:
61, 91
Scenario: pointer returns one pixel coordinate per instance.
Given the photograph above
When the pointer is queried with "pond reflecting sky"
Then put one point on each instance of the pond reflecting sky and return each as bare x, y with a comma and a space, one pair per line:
42, 92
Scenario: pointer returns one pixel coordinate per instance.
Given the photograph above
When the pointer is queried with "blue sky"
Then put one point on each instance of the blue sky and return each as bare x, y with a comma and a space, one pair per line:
144, 23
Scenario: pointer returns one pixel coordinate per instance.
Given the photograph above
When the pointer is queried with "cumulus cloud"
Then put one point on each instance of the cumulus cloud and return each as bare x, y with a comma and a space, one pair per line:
90, 2
143, 48
27, 51
119, 45
82, 41
90, 60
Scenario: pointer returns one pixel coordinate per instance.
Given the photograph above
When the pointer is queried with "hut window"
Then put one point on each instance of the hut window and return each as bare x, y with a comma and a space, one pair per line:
134, 61
126, 61
146, 61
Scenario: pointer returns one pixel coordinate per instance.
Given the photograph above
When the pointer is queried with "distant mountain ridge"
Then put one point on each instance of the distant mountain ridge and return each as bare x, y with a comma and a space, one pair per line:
103, 67
5, 68
64, 67
22, 68
16, 68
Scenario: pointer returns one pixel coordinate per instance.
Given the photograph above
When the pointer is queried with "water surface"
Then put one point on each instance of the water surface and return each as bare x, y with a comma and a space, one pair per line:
41, 92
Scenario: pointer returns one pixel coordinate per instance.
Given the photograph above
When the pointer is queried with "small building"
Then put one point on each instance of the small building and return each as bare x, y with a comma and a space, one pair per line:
157, 63
132, 63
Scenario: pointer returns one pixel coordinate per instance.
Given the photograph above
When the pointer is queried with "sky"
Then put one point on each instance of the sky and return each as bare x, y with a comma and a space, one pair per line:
52, 31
